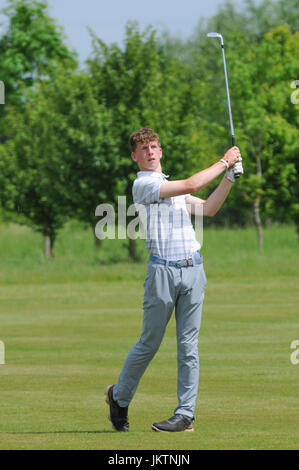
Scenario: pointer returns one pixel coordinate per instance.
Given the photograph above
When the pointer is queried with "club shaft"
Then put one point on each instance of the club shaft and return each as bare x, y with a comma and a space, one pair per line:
218, 35
237, 175
228, 98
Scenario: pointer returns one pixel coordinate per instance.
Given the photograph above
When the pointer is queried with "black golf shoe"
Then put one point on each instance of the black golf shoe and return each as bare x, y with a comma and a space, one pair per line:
174, 424
118, 415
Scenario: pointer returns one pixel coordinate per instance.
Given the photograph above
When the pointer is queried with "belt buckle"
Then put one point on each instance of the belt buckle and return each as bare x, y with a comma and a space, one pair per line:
184, 263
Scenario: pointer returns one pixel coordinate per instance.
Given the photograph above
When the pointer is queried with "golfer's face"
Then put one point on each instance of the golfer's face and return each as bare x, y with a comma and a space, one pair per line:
148, 156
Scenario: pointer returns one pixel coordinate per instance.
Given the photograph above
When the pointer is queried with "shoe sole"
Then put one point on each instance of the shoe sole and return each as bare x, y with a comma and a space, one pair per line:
189, 429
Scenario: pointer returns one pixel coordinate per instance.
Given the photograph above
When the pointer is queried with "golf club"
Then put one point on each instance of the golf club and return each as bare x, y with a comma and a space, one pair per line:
218, 35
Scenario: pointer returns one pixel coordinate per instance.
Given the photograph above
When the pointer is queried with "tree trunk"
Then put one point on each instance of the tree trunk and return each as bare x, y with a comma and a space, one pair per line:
132, 249
258, 222
49, 246
97, 241
256, 204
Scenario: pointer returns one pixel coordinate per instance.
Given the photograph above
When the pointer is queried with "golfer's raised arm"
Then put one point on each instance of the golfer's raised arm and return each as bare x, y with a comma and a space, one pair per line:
211, 205
201, 179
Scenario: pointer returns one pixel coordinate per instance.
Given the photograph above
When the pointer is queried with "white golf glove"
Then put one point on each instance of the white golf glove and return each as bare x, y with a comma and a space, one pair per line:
236, 168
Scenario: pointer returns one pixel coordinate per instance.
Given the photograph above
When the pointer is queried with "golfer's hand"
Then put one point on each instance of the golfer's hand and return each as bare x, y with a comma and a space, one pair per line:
232, 156
237, 168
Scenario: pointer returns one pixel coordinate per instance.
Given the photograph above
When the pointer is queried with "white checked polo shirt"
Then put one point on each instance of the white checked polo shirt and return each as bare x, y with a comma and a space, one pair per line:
166, 221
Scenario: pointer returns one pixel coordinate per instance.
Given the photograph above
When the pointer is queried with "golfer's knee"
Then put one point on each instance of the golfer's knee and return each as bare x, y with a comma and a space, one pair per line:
188, 350
150, 345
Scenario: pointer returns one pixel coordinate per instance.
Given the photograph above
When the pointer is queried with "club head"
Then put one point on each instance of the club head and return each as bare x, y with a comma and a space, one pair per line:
215, 35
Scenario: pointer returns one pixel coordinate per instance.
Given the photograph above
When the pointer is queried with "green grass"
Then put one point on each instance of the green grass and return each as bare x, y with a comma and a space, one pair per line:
68, 324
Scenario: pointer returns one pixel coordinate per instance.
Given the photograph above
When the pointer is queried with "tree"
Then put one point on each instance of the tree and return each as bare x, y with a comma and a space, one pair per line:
269, 14
31, 48
252, 19
25, 188
82, 160
59, 161
266, 122
32, 45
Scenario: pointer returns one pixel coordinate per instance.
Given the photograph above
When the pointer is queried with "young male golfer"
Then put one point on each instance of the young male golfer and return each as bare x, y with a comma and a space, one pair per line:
175, 278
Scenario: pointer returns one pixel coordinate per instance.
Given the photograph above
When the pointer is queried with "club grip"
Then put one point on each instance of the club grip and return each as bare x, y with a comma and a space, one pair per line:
236, 175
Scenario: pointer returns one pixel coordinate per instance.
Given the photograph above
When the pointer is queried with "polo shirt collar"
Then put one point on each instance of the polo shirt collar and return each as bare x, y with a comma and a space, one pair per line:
152, 174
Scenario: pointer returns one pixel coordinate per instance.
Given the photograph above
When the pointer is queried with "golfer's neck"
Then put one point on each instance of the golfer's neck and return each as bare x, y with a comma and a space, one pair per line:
156, 170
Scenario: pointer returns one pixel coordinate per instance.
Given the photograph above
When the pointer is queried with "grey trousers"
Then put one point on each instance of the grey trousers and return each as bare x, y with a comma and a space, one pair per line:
168, 288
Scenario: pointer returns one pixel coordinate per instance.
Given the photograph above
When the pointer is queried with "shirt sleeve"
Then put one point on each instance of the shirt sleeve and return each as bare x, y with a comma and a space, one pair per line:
146, 190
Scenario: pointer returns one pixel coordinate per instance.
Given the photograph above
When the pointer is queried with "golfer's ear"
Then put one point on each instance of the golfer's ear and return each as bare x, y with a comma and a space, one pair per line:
133, 156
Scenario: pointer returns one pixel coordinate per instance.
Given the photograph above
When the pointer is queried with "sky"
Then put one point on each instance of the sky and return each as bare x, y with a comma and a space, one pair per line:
107, 18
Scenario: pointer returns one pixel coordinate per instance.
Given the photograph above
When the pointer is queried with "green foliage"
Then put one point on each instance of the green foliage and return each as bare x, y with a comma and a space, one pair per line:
25, 186
252, 18
260, 70
32, 45
63, 151
266, 119
66, 131
30, 50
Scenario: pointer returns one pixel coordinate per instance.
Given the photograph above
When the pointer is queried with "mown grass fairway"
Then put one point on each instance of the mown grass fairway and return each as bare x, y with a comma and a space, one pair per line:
67, 331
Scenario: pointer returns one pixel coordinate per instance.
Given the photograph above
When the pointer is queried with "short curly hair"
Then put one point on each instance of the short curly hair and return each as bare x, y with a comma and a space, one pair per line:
144, 135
